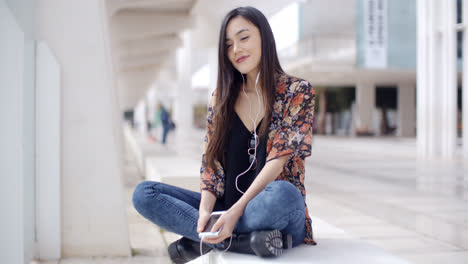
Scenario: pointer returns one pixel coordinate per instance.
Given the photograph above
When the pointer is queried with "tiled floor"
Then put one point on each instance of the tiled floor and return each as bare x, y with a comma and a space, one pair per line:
146, 240
376, 189
380, 191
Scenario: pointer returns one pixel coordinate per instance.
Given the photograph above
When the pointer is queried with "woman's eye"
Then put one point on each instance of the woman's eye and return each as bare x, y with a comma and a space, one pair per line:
244, 38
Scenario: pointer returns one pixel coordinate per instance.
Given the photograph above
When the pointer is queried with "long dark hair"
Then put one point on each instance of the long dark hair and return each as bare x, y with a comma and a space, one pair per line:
230, 81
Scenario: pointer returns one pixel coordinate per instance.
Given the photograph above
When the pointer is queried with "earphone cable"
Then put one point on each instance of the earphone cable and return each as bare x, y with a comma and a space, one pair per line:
254, 124
201, 245
201, 248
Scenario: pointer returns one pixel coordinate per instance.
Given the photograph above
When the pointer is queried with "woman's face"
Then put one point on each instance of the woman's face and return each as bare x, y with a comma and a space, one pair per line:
243, 45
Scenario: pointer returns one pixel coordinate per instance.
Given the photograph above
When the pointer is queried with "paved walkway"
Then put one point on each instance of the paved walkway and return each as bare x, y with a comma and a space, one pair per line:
375, 189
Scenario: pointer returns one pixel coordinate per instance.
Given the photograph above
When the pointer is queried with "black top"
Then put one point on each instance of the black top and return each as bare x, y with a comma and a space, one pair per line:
237, 160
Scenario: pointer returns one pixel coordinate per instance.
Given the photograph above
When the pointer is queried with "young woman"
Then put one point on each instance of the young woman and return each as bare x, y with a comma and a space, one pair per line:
259, 132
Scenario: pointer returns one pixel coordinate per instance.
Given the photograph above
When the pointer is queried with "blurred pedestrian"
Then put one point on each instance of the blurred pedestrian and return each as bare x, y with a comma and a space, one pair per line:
166, 121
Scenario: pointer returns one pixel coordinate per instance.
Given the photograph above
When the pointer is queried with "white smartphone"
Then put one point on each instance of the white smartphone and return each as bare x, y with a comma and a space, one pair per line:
207, 231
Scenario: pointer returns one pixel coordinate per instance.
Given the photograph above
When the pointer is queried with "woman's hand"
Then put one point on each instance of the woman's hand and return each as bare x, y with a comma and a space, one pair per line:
227, 222
206, 207
203, 217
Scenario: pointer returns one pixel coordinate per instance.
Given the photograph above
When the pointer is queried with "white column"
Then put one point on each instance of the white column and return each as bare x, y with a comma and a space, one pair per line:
213, 62
139, 116
183, 112
433, 113
365, 98
465, 80
406, 110
422, 89
448, 68
436, 92
93, 216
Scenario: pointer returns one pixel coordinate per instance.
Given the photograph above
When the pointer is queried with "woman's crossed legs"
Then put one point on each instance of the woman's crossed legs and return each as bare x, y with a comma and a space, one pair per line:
279, 206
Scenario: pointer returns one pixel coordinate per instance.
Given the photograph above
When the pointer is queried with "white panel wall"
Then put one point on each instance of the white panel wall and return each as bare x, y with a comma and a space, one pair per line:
48, 154
23, 13
93, 214
11, 135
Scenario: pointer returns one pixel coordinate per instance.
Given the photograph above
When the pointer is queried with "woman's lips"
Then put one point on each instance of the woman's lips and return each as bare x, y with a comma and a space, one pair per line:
241, 59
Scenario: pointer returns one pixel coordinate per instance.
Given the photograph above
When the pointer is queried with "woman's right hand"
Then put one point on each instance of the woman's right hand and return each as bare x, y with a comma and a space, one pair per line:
203, 218
207, 203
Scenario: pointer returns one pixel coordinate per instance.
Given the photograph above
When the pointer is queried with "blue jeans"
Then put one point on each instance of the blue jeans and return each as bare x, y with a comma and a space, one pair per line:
279, 206
164, 135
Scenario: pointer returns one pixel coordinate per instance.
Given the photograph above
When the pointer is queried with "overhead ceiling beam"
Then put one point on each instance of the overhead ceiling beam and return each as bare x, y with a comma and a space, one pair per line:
133, 85
176, 5
141, 61
147, 24
141, 47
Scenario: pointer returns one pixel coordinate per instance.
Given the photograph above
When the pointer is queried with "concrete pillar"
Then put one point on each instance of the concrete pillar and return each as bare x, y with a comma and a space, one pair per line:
151, 103
436, 93
139, 116
449, 78
365, 98
465, 81
424, 133
213, 64
406, 110
92, 212
183, 105
322, 111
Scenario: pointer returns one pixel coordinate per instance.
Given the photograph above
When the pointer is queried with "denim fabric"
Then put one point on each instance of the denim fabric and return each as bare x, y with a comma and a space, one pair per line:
279, 206
165, 132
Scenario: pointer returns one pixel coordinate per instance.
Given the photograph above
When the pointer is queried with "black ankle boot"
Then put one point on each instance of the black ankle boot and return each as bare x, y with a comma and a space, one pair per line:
185, 250
261, 243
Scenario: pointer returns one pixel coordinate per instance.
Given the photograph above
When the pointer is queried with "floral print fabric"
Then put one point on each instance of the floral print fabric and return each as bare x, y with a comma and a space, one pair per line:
290, 133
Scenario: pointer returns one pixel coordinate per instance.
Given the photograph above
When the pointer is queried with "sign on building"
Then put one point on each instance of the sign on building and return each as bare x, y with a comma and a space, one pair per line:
375, 33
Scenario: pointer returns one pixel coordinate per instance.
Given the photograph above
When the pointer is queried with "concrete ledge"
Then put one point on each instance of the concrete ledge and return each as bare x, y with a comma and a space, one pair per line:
161, 163
329, 251
133, 146
179, 171
334, 247
141, 149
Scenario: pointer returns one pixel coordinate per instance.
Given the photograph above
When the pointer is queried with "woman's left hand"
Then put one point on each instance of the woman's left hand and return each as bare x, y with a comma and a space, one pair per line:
227, 222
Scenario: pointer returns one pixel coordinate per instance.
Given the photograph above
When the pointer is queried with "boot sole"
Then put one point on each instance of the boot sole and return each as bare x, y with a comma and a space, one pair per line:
174, 254
267, 243
185, 250
287, 241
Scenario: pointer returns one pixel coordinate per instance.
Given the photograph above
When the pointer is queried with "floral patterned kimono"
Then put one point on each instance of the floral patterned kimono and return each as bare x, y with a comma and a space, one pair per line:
290, 133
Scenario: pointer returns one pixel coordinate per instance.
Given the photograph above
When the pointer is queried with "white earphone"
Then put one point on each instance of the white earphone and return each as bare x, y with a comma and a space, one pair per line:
254, 122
